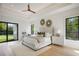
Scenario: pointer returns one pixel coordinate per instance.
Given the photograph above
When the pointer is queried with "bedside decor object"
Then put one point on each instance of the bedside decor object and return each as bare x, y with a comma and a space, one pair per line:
42, 22
32, 28
23, 34
58, 33
48, 23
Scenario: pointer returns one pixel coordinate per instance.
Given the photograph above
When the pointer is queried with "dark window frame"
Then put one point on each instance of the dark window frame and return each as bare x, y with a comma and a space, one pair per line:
7, 30
70, 25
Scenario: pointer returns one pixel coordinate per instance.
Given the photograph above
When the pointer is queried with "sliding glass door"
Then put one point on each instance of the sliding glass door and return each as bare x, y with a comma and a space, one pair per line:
3, 28
12, 32
8, 31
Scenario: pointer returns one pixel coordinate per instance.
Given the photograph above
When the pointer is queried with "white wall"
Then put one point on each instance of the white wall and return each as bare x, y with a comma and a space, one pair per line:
58, 19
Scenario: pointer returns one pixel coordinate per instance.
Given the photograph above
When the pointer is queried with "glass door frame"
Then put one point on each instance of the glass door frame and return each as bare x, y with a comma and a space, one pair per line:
7, 31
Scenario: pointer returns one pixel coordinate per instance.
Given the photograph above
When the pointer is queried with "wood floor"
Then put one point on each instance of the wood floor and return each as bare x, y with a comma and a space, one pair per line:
54, 50
57, 50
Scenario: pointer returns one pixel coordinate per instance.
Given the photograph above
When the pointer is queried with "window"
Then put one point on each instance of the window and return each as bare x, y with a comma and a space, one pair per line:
72, 28
8, 31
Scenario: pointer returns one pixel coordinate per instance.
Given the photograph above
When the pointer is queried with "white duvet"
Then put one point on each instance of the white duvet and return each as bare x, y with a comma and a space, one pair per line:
36, 42
34, 39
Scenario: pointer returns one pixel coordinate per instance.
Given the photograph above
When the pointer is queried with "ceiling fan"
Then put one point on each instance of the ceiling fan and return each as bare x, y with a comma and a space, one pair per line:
29, 9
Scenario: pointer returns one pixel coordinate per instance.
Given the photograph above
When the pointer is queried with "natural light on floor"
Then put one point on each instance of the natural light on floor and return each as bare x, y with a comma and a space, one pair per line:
76, 51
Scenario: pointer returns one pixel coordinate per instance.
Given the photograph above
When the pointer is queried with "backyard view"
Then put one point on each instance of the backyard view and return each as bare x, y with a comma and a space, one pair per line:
3, 37
6, 31
72, 28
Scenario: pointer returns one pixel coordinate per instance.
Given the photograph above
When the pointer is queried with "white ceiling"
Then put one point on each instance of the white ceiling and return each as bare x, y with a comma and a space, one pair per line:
23, 6
39, 8
34, 6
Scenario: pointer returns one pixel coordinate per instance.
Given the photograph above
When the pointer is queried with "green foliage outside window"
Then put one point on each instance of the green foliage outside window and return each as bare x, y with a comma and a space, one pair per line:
72, 27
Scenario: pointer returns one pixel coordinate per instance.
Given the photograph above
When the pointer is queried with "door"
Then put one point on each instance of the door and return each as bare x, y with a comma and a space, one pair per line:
12, 32
8, 31
3, 29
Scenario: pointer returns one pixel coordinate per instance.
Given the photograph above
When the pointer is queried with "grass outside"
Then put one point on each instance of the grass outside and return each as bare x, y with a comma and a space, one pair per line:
3, 37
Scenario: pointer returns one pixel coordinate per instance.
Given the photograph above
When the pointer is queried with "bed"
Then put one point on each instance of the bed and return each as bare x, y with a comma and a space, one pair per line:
35, 42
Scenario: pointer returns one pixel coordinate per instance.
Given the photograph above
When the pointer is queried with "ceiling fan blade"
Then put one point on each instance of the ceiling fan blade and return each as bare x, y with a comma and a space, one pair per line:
32, 11
28, 7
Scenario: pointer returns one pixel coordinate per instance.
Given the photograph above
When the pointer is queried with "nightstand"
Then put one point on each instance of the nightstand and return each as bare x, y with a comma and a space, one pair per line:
57, 40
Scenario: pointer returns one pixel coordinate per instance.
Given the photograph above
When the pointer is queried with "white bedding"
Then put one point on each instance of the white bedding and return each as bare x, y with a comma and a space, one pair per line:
34, 39
36, 42
29, 40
